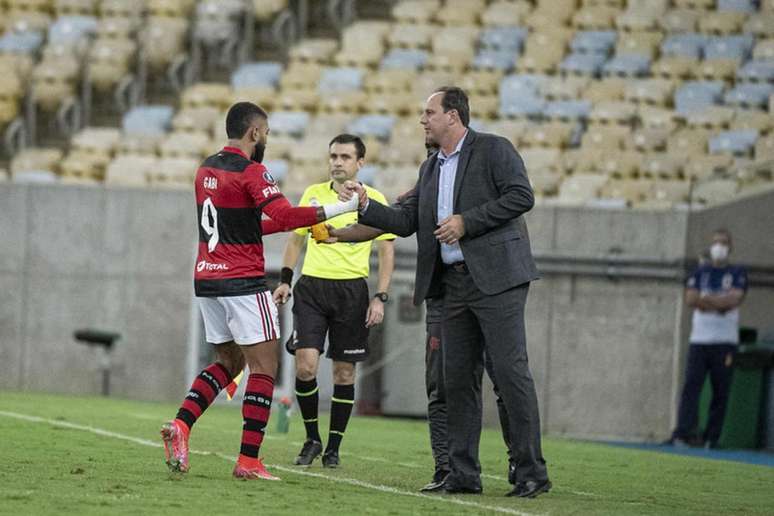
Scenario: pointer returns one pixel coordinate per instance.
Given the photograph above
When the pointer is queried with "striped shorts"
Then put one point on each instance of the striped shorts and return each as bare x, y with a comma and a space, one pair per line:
245, 320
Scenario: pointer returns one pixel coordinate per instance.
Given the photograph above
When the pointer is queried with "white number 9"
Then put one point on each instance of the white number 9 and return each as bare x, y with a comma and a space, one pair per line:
208, 210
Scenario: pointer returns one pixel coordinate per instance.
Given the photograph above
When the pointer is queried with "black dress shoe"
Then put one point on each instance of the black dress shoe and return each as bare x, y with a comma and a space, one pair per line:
437, 483
448, 489
530, 488
330, 459
512, 473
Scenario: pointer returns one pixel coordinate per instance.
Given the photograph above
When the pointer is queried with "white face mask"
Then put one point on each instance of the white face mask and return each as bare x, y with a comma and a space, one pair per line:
718, 252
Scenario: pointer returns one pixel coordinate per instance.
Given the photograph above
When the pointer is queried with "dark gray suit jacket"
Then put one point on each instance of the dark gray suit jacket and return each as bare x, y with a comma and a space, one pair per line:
491, 192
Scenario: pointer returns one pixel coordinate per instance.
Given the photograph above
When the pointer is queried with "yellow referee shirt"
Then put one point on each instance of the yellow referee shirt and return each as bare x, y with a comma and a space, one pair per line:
342, 260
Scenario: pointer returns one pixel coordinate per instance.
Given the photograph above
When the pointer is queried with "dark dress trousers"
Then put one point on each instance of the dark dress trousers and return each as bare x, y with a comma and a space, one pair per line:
484, 299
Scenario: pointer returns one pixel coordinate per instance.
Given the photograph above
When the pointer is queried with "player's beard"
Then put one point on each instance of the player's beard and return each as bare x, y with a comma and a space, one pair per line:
258, 151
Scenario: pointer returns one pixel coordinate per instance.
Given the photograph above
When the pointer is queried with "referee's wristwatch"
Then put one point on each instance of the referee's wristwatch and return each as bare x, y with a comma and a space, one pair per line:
382, 296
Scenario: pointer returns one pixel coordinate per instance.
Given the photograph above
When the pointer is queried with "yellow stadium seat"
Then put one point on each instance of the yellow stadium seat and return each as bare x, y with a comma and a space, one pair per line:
264, 96
168, 37
545, 183
83, 165
760, 121
415, 11
394, 181
657, 117
197, 119
116, 28
700, 167
109, 62
624, 164
540, 58
36, 158
541, 159
404, 151
675, 67
639, 42
595, 18
481, 82
764, 148
659, 165
343, 102
569, 87
603, 137
328, 124
680, 20
715, 191
301, 76
721, 22
605, 90
411, 36
397, 103
297, 100
713, 118
389, 81
760, 24
502, 13
513, 130
266, 9
130, 171
136, 145
460, 12
687, 141
665, 193
551, 134
543, 18
613, 112
427, 82
581, 188
169, 8
653, 92
486, 107
75, 7
185, 144
641, 15
96, 140
121, 9
716, 69
650, 140
694, 4
764, 48
176, 173
51, 85
315, 50
214, 94
633, 191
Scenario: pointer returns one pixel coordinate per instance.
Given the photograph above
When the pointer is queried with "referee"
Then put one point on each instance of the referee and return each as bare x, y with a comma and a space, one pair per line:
331, 298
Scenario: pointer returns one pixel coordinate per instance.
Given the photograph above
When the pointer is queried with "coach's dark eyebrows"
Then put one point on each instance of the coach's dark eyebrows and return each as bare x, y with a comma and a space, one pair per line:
343, 155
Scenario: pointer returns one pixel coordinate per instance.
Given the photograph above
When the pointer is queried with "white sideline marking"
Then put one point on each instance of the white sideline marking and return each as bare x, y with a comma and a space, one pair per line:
343, 480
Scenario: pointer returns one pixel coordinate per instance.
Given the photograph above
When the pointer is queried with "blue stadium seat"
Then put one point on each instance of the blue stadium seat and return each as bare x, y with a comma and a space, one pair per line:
696, 95
261, 73
278, 168
340, 79
729, 47
629, 65
367, 174
404, 59
594, 41
504, 60
522, 84
758, 70
684, 45
583, 64
743, 6
293, 123
735, 142
520, 97
749, 95
69, 29
149, 120
378, 126
568, 109
504, 38
26, 42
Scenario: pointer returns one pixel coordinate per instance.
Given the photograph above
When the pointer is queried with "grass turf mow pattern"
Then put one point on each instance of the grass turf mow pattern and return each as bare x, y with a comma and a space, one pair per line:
76, 455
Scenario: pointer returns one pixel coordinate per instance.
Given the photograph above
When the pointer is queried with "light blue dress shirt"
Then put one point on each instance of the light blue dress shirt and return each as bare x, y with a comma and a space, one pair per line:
448, 170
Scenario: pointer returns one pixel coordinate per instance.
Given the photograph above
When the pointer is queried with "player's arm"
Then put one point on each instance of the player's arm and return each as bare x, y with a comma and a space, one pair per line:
293, 248
694, 299
726, 301
386, 254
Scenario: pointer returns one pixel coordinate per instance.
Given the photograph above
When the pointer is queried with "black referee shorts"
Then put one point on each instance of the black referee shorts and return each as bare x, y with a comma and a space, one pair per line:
334, 307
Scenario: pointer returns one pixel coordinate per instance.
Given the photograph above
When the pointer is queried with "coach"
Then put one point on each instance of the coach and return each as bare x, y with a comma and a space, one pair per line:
473, 248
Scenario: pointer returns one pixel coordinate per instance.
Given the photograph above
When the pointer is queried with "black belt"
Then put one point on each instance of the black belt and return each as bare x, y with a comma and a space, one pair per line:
456, 267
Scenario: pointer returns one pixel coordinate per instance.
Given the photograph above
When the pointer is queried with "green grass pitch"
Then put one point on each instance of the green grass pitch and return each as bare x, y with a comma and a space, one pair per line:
75, 455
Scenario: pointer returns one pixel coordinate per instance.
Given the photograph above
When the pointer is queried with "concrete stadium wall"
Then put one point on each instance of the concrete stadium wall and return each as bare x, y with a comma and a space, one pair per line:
606, 326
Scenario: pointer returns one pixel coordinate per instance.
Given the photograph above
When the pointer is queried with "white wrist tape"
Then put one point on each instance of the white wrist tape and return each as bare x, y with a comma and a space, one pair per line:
332, 210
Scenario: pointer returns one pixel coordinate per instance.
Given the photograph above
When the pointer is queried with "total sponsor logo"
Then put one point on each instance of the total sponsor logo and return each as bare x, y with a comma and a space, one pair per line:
204, 265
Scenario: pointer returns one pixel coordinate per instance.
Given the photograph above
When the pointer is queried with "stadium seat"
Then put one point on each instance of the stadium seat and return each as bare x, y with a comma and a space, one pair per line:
658, 165
582, 64
654, 92
657, 118
117, 28
764, 148
650, 140
729, 47
665, 193
501, 60
129, 171
641, 15
411, 36
737, 143
291, 123
539, 58
567, 110
634, 65
715, 191
340, 80
377, 126
564, 88
764, 49
186, 144
389, 81
742, 6
613, 112
749, 95
545, 183
504, 13
278, 168
503, 38
198, 119
168, 36
594, 41
541, 159
352, 101
404, 59
552, 134
427, 82
684, 45
601, 137
675, 67
716, 70
680, 20
481, 82
688, 141
594, 18
759, 120
756, 70
760, 25
609, 88
460, 12
695, 95
580, 188
109, 62
395, 181
96, 140
314, 50
147, 120
513, 130
214, 94
645, 43
35, 176
721, 22
173, 173
137, 145
632, 191
415, 11
622, 165
36, 158
257, 74
713, 118
20, 42
702, 167
71, 29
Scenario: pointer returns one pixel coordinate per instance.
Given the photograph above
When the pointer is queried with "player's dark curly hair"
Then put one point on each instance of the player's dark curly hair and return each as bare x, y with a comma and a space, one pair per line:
240, 117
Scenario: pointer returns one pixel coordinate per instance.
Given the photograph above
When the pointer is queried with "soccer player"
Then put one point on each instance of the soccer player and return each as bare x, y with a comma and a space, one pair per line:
331, 298
240, 318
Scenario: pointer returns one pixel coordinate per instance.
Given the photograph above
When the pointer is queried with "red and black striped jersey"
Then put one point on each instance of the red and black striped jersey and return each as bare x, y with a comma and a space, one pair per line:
232, 193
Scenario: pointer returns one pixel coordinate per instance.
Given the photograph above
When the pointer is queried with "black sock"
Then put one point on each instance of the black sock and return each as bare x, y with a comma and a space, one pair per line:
308, 398
341, 407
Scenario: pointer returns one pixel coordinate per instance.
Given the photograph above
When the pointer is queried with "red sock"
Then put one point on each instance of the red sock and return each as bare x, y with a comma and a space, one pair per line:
256, 407
203, 392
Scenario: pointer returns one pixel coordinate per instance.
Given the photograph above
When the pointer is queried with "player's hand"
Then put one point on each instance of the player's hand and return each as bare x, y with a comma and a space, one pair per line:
375, 313
281, 294
450, 230
351, 188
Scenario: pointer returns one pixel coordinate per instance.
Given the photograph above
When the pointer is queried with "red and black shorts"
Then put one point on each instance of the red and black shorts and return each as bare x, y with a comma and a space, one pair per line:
336, 308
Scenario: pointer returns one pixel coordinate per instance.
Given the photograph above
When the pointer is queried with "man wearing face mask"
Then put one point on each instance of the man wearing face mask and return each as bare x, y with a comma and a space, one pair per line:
714, 291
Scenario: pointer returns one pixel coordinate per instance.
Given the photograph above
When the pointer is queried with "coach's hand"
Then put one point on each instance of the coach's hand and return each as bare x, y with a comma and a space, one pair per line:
375, 313
332, 235
450, 230
281, 294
